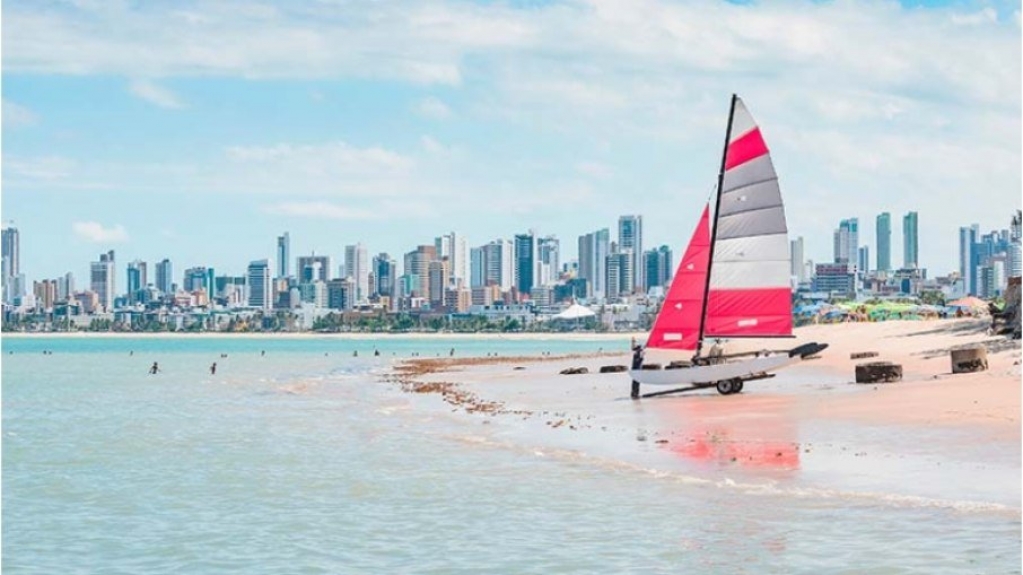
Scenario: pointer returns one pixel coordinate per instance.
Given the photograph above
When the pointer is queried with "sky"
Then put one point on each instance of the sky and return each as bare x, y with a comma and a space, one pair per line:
200, 131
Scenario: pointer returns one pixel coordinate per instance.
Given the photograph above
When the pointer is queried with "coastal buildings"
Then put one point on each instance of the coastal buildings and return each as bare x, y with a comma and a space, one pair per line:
10, 256
528, 270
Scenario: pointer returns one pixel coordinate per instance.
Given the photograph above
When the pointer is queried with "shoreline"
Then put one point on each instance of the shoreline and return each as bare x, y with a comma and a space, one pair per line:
542, 336
934, 435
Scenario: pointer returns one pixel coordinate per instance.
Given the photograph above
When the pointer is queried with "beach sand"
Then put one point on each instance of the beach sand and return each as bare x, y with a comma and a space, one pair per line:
933, 434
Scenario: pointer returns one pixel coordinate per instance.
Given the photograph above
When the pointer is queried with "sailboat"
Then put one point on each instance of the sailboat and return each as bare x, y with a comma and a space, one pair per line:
733, 279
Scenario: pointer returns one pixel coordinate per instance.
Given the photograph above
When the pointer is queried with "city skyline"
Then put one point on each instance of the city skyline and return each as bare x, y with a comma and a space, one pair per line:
558, 117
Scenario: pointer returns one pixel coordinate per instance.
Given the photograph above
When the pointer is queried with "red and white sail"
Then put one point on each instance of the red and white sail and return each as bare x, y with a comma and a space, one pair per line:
749, 289
678, 324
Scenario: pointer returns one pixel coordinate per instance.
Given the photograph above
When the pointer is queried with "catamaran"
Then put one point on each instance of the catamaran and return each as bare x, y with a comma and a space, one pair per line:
733, 279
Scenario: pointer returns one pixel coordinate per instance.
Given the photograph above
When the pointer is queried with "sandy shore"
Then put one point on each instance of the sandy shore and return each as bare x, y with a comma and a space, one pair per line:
933, 428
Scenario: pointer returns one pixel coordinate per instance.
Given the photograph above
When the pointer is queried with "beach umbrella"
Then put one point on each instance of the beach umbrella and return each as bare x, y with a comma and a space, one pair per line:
575, 311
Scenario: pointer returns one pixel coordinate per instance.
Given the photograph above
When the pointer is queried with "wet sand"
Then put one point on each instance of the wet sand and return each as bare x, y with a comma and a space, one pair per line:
934, 434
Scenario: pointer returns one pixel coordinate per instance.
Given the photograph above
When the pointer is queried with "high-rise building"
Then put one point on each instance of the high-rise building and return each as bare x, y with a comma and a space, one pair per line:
312, 268
496, 264
968, 257
258, 279
165, 277
417, 263
619, 280
798, 261
454, 247
440, 278
525, 261
910, 242
357, 267
593, 251
847, 241
137, 280
1013, 263
102, 280
548, 260
283, 255
863, 259
197, 278
884, 242
385, 271
630, 238
658, 267
11, 264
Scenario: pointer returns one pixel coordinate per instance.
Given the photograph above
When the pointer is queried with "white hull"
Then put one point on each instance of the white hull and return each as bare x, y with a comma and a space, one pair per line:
709, 374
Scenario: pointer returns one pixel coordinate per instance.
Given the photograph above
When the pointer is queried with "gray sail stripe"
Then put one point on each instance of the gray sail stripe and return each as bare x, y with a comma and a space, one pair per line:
742, 121
753, 197
755, 170
774, 247
759, 222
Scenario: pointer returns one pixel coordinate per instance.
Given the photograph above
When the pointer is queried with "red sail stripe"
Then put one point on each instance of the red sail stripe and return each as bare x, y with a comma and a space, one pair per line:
678, 324
749, 312
748, 147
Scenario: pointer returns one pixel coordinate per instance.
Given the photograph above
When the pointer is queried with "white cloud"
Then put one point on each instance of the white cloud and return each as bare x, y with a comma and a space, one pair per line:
433, 108
154, 94
96, 233
17, 116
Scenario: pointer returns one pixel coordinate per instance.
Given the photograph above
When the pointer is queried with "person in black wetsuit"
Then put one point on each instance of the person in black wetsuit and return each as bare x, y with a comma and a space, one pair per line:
637, 363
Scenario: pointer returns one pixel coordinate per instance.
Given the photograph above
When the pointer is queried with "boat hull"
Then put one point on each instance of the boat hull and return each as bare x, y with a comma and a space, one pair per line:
709, 374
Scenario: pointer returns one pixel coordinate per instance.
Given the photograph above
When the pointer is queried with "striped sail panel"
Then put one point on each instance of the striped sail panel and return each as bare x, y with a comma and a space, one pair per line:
756, 222
678, 323
765, 194
758, 170
749, 290
763, 312
742, 121
749, 275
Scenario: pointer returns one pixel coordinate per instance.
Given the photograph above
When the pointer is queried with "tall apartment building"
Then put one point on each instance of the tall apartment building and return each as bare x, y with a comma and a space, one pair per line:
525, 262
283, 255
137, 280
417, 263
658, 268
847, 241
357, 267
910, 241
454, 247
593, 251
385, 273
630, 239
884, 241
797, 267
165, 276
258, 279
312, 268
102, 280
548, 265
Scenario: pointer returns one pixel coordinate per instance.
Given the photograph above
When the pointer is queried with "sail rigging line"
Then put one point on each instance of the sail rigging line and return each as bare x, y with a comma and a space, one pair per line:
714, 227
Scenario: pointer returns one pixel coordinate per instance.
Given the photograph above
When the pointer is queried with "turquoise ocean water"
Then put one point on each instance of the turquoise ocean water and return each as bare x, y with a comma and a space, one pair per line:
302, 461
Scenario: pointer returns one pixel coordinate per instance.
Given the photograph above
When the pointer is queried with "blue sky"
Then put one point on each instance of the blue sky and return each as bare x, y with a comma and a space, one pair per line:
201, 131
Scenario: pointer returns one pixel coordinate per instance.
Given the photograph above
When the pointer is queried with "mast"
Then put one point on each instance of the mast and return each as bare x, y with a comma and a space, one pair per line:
714, 227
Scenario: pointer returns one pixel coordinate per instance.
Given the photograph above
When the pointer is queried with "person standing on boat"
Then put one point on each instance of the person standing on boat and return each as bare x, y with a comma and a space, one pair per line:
637, 363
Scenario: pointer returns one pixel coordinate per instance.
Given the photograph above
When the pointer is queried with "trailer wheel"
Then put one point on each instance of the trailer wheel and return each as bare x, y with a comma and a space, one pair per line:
737, 386
725, 386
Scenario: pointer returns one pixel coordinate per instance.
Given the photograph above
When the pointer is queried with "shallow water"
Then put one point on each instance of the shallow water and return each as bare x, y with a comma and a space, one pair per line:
302, 462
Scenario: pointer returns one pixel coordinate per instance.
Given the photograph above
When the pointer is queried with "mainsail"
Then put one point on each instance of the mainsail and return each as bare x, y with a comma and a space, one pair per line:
678, 323
749, 293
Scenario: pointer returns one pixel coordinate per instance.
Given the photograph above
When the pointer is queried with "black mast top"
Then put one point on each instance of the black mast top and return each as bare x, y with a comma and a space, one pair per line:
714, 228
